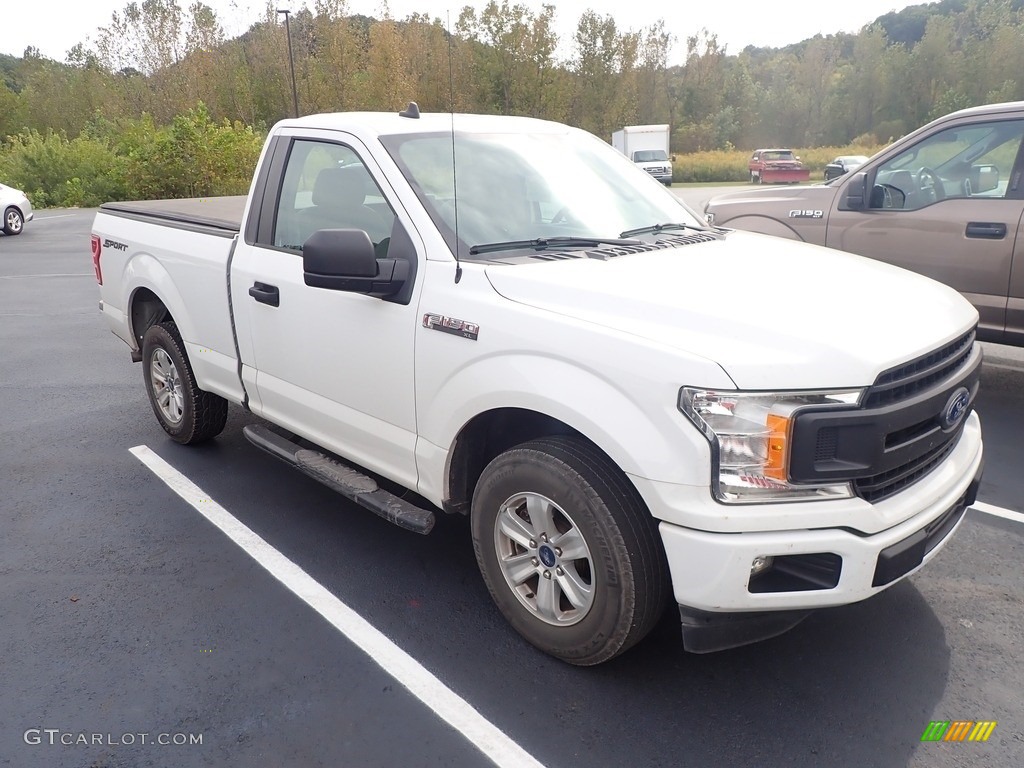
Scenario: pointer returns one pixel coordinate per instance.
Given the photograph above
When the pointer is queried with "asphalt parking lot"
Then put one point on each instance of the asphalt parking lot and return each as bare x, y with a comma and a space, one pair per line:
136, 632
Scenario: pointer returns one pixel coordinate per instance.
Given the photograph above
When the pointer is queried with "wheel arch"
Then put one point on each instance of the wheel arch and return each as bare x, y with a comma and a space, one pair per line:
486, 436
153, 298
146, 309
467, 418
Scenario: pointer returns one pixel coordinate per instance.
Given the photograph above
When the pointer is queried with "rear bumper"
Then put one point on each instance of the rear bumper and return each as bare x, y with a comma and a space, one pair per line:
117, 321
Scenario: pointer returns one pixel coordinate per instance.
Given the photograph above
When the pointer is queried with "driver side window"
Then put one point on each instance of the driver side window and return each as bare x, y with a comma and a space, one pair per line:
326, 186
959, 162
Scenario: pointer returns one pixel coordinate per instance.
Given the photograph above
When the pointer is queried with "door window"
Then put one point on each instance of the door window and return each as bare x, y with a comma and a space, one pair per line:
959, 162
326, 186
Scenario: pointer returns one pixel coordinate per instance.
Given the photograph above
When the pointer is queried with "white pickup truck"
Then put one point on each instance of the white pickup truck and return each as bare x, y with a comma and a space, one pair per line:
509, 319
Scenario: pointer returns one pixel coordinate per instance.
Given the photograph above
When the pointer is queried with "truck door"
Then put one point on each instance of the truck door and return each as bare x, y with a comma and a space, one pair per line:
949, 207
333, 366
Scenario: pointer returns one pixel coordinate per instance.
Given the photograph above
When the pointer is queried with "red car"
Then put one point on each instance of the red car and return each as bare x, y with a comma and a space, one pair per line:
777, 166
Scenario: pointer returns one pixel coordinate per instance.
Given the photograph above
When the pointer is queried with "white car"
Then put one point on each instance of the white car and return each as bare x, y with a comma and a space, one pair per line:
17, 209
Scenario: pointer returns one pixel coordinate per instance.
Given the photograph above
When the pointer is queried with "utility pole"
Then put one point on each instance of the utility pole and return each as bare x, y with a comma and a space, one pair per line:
291, 61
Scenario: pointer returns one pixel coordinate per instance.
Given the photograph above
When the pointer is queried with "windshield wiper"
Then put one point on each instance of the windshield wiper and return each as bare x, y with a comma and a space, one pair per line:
655, 228
543, 243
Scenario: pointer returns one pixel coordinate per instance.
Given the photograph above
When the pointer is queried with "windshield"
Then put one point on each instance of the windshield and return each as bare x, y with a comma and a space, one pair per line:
515, 187
778, 154
649, 155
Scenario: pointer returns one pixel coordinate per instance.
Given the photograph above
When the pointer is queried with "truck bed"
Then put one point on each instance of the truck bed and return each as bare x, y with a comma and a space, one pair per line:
216, 215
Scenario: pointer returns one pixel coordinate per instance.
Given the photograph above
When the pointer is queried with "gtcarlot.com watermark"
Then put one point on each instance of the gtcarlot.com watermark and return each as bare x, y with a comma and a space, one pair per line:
58, 737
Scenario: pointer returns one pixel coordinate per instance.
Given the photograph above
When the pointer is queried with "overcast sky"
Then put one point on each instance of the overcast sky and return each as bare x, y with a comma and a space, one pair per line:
54, 26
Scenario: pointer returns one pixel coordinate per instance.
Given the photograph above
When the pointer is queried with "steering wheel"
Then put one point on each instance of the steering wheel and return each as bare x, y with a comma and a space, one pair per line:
930, 184
562, 216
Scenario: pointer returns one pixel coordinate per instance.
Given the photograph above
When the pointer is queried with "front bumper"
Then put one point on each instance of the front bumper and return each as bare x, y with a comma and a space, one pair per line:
784, 175
829, 566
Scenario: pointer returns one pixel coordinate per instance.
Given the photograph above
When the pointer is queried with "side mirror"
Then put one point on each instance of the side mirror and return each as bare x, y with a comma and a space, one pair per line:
856, 193
344, 260
984, 178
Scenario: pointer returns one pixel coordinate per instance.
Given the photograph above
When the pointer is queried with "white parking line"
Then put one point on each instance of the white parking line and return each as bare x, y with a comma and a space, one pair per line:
451, 708
991, 509
58, 216
58, 274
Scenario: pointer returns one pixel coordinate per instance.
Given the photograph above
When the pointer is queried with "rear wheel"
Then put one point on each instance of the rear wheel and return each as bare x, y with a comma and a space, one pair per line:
13, 221
187, 413
568, 550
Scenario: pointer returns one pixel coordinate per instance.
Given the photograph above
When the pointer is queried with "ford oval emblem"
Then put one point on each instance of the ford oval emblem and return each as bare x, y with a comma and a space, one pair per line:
955, 408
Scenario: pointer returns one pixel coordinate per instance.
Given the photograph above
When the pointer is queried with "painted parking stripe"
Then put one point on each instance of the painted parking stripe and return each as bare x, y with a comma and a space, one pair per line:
992, 509
58, 274
450, 707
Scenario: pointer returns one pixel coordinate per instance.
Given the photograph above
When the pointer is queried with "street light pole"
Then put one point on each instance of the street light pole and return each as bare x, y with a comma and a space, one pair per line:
291, 61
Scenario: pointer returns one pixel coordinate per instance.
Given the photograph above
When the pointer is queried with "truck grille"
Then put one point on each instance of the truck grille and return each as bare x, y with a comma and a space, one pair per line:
885, 484
900, 433
903, 383
906, 380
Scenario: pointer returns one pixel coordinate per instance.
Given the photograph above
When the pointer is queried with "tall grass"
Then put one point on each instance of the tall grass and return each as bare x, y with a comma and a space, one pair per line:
731, 165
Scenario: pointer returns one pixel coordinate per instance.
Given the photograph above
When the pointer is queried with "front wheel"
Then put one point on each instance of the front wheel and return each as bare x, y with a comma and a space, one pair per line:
14, 222
187, 413
568, 550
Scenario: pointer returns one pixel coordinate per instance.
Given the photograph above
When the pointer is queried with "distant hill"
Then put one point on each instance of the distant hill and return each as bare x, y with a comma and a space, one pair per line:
907, 26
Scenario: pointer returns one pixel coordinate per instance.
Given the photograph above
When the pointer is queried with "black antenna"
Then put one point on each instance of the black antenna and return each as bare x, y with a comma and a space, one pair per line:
451, 111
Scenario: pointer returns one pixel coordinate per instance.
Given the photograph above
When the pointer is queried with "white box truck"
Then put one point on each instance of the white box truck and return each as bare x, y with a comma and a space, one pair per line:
647, 146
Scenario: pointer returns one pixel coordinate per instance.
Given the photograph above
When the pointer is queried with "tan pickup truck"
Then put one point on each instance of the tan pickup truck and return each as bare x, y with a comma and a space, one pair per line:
946, 201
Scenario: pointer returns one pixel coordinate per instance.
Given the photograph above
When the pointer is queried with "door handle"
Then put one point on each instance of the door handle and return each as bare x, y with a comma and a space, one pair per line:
266, 294
986, 230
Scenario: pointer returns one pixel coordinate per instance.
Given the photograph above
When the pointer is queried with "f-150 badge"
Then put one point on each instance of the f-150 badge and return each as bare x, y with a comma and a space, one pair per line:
806, 214
451, 325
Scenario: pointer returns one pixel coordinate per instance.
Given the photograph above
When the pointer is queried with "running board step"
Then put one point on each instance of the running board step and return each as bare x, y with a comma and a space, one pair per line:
349, 482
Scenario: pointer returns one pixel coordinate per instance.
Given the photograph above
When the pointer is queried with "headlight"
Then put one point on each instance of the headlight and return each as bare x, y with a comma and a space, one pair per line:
750, 434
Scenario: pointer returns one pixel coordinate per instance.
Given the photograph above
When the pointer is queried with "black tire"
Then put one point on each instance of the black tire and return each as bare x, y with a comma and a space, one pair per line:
187, 413
620, 563
14, 222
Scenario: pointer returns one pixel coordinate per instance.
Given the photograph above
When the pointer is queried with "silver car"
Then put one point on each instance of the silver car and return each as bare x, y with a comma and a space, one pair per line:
17, 209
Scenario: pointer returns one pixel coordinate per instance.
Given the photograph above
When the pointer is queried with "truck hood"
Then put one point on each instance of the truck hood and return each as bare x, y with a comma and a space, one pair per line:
773, 313
816, 197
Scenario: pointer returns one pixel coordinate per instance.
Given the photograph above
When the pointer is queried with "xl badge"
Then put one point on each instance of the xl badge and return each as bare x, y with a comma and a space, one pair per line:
955, 408
451, 325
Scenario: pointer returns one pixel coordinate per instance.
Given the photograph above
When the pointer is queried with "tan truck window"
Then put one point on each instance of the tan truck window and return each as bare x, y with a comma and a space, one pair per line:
959, 162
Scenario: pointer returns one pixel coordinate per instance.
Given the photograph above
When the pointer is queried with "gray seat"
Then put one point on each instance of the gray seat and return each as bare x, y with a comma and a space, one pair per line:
338, 200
